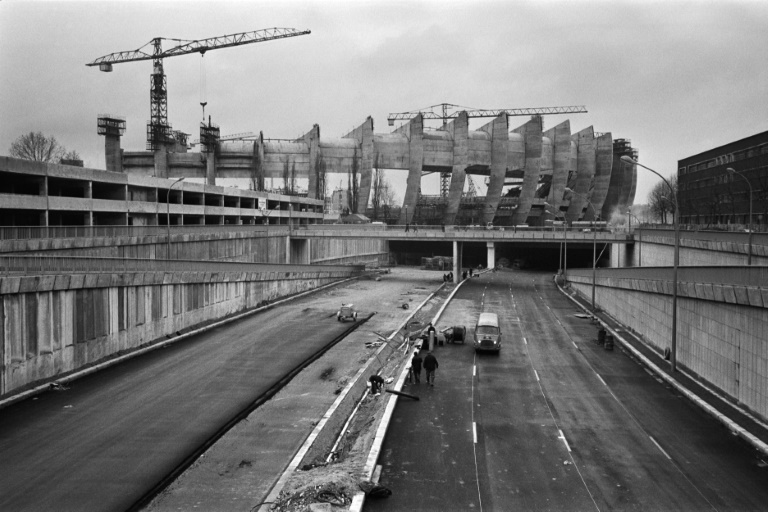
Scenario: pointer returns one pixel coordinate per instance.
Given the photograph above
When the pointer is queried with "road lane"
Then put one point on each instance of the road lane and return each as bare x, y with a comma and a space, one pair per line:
114, 434
561, 423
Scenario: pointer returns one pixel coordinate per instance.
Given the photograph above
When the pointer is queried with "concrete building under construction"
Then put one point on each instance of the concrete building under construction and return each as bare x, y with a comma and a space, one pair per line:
532, 174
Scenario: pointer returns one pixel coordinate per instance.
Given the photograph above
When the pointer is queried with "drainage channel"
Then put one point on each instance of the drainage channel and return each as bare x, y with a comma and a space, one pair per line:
272, 391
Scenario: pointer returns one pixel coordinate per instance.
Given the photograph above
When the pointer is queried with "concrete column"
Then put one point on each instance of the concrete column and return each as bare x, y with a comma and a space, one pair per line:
531, 132
210, 168
161, 163
363, 134
113, 153
491, 254
459, 127
560, 136
312, 138
288, 249
458, 248
499, 145
415, 133
603, 166
585, 172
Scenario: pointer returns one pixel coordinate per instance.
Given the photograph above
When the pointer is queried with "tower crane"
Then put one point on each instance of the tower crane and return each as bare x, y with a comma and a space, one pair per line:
158, 129
450, 111
444, 114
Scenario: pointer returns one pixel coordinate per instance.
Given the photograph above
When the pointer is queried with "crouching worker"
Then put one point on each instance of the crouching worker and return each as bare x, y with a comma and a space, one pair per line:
377, 382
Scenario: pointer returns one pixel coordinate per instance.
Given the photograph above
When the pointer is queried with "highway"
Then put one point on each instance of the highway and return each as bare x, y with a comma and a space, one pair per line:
111, 437
554, 422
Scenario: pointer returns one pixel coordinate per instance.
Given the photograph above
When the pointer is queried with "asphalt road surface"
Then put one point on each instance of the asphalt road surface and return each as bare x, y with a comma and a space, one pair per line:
107, 440
554, 422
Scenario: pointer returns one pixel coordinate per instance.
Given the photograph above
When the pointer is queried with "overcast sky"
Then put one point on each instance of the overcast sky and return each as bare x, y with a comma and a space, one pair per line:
676, 78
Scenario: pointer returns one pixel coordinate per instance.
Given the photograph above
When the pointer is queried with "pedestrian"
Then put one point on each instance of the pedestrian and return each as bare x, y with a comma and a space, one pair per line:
416, 366
430, 365
450, 276
470, 271
464, 275
415, 228
376, 384
442, 224
407, 227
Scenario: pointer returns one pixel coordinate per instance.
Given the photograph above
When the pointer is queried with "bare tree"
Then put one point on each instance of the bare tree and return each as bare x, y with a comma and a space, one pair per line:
353, 183
37, 147
376, 184
286, 174
293, 179
662, 201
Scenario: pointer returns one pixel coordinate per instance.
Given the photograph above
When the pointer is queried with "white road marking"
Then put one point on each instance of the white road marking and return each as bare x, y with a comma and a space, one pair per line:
474, 432
562, 436
574, 344
525, 341
474, 370
537, 375
660, 448
601, 379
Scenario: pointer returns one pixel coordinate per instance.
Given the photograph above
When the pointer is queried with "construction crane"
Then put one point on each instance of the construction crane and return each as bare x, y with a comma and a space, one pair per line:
158, 130
444, 114
450, 111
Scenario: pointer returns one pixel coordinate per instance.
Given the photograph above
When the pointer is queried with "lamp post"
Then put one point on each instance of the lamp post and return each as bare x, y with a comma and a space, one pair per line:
673, 348
749, 225
640, 247
594, 243
168, 213
564, 255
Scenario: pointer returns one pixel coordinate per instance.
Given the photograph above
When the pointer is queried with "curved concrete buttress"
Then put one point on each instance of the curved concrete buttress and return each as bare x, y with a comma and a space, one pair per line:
459, 129
532, 133
497, 129
516, 152
585, 173
561, 164
547, 155
414, 130
363, 134
312, 140
603, 165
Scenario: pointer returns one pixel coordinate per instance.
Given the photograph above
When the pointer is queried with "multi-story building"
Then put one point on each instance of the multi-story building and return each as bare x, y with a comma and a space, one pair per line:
711, 194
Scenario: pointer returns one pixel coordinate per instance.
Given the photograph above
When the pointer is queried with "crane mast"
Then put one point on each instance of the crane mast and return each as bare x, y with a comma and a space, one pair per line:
159, 131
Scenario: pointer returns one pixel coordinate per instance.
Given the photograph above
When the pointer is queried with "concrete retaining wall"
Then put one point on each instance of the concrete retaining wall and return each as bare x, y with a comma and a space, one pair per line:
52, 325
656, 247
722, 334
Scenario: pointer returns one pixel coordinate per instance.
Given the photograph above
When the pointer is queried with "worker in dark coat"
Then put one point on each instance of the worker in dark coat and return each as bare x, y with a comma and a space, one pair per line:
416, 367
377, 382
430, 365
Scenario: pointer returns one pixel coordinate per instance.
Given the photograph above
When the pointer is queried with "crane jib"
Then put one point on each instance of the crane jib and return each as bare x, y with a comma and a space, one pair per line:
199, 46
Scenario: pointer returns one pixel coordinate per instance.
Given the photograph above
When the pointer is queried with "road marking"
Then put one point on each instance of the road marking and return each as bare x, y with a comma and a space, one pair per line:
537, 375
562, 436
474, 370
525, 341
601, 380
474, 432
660, 448
574, 344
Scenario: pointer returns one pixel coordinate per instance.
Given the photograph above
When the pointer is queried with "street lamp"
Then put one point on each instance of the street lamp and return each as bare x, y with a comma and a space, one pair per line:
749, 225
594, 243
673, 348
564, 255
168, 213
640, 247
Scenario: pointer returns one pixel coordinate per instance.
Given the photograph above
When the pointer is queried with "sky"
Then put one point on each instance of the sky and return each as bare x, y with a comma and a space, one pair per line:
676, 78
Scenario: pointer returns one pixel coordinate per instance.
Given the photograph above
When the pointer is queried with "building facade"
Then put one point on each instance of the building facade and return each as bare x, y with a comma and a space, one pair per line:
710, 194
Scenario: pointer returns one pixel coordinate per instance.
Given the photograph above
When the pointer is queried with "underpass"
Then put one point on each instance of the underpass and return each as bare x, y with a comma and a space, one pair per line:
555, 422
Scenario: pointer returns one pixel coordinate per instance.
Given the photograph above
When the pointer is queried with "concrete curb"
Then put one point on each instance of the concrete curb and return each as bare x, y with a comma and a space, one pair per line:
373, 456
291, 468
725, 420
106, 364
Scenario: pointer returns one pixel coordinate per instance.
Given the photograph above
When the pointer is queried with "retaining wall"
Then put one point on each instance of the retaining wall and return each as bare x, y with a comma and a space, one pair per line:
722, 332
55, 324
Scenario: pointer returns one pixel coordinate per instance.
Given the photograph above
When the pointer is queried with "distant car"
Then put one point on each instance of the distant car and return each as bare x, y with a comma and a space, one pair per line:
346, 312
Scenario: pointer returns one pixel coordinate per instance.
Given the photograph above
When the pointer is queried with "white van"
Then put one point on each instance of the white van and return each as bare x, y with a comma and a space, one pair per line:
487, 332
